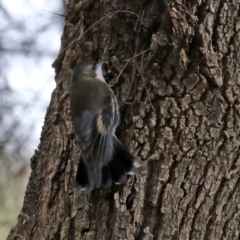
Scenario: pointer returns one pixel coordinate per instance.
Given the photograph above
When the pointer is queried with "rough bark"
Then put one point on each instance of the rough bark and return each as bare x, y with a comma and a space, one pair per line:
178, 65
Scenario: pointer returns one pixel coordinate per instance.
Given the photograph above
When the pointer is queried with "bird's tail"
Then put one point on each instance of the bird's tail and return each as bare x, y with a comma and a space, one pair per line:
121, 164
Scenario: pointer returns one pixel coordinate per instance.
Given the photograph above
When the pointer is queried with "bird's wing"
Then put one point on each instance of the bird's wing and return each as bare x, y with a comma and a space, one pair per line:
95, 130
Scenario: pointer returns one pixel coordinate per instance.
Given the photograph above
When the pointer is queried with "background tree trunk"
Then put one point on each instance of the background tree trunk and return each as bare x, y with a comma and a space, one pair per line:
178, 65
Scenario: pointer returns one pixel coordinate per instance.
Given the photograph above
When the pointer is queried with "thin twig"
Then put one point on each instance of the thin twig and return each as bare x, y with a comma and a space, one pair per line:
53, 12
123, 68
82, 34
98, 21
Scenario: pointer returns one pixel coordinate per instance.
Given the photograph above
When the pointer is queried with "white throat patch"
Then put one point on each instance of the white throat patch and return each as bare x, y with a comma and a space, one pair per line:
99, 72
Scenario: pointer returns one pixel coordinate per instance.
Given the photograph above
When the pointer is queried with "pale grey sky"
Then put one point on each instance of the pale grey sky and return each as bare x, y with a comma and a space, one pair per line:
32, 79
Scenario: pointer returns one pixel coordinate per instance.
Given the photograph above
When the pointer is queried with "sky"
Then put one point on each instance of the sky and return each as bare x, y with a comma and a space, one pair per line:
31, 77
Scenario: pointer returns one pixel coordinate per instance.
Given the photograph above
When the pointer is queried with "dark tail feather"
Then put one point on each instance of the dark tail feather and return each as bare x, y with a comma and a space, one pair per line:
121, 164
88, 177
82, 175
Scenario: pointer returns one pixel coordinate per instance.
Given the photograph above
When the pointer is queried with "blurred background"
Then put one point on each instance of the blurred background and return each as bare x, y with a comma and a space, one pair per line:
30, 33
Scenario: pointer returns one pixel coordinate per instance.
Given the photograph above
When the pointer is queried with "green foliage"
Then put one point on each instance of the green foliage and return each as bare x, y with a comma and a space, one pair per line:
13, 180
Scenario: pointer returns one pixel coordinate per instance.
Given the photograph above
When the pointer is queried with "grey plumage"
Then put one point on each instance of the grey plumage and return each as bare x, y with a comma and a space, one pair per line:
95, 116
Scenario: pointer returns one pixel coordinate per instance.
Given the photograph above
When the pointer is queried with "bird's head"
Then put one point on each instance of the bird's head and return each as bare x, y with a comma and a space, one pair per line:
89, 69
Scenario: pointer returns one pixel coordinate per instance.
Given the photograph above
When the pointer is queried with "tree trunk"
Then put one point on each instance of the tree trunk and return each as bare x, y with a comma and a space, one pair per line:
177, 66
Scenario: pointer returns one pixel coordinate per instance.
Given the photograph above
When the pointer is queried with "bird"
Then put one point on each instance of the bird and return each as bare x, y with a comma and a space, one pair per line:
104, 161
